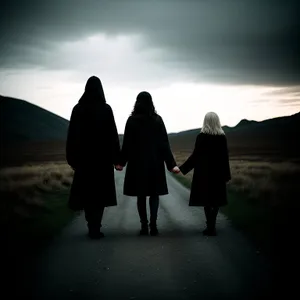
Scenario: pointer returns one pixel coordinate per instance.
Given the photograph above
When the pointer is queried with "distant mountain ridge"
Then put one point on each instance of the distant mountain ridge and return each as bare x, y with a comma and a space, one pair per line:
22, 122
242, 123
245, 122
277, 135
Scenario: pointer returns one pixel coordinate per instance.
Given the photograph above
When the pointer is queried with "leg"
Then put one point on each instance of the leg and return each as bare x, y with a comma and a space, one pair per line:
154, 204
207, 210
93, 217
142, 209
210, 214
214, 213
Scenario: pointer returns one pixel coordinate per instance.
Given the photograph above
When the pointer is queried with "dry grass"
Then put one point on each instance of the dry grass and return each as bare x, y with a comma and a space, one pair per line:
33, 209
36, 152
271, 182
22, 189
263, 199
275, 183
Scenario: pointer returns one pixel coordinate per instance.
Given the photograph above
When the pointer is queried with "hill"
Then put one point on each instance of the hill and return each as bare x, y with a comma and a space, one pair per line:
276, 136
21, 121
31, 133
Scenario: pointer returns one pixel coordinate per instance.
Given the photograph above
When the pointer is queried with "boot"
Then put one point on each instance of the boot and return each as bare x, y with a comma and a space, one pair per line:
93, 217
153, 228
94, 232
144, 229
210, 229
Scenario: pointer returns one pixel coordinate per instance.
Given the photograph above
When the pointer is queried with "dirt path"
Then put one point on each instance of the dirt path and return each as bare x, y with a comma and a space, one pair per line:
179, 264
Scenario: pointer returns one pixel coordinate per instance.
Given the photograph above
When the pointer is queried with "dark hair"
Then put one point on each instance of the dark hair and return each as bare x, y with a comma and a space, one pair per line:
93, 91
144, 105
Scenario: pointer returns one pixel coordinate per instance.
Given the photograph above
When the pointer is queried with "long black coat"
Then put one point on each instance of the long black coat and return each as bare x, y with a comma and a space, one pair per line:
146, 149
210, 162
92, 150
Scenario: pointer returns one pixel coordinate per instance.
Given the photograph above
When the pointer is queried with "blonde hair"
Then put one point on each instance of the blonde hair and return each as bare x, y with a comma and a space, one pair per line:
212, 124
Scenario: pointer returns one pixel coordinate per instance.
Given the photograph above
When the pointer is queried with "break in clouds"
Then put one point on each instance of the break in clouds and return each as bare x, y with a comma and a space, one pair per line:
249, 42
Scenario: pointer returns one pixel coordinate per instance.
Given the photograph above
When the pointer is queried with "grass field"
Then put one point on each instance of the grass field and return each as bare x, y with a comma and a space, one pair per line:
263, 196
33, 208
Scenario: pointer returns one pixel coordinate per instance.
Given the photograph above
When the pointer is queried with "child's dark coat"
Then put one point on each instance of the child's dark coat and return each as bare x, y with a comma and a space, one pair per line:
210, 162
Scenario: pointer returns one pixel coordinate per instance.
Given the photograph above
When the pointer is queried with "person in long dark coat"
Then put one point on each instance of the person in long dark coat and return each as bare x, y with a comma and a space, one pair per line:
146, 150
210, 161
92, 150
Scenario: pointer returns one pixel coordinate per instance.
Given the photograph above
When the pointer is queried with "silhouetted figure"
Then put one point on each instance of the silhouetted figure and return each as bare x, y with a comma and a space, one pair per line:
210, 162
92, 150
145, 150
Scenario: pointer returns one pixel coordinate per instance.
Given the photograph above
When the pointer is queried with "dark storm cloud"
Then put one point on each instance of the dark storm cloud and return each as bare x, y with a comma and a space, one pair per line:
228, 41
294, 91
287, 95
290, 101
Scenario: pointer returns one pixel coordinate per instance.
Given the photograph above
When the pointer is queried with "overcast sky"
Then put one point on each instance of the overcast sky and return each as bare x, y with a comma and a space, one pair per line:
239, 58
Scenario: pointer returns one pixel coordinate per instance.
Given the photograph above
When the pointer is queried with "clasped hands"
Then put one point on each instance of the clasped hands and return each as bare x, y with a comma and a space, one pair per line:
175, 170
119, 167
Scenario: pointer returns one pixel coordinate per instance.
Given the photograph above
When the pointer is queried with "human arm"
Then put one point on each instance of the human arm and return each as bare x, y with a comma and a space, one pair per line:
227, 171
165, 146
127, 140
73, 139
115, 143
189, 164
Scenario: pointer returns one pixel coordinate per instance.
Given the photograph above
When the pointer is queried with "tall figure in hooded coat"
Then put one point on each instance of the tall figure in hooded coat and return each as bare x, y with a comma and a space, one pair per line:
92, 150
210, 162
146, 150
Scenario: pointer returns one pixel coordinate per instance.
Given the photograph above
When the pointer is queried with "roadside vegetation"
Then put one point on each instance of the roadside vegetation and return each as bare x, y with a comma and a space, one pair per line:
263, 197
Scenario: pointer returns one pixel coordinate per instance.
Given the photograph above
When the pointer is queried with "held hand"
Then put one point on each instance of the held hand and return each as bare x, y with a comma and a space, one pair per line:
175, 170
118, 168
